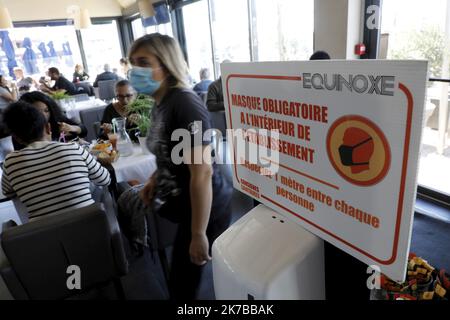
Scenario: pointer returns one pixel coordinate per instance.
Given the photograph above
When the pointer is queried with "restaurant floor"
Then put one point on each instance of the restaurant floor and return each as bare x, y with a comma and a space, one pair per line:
145, 279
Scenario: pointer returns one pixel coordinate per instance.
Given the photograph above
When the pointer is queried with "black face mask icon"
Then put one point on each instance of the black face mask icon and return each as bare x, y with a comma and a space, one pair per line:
346, 154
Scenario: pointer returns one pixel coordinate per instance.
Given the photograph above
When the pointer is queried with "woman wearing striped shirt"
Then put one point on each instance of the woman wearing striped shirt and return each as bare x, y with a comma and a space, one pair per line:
46, 176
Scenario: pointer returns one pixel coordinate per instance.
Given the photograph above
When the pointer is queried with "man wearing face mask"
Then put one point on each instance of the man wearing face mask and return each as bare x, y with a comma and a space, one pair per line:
195, 195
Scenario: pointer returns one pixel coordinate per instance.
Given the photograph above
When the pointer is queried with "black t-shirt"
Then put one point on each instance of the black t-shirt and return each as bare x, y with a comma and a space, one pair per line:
63, 83
111, 113
182, 109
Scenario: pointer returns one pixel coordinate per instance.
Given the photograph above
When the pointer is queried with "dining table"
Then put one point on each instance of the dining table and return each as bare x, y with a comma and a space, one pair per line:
73, 108
138, 166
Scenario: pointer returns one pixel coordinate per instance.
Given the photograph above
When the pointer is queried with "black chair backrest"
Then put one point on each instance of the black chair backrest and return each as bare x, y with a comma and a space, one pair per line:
106, 89
86, 88
41, 251
90, 118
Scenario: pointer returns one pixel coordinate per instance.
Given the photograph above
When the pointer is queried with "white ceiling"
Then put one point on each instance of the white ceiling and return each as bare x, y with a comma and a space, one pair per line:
32, 10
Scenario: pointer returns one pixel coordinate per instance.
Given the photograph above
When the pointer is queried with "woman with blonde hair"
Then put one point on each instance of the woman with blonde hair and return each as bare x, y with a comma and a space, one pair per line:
192, 193
79, 74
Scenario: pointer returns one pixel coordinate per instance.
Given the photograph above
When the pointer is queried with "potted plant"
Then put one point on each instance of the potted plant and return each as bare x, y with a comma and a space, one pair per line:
61, 98
141, 107
59, 95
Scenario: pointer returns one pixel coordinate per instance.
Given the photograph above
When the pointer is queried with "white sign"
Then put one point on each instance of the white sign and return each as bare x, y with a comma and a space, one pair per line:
344, 164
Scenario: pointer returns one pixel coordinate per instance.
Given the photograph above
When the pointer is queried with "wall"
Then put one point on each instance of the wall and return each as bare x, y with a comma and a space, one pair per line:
354, 26
337, 27
31, 10
330, 27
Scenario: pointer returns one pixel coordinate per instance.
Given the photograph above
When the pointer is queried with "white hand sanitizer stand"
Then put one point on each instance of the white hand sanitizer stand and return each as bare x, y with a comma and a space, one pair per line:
264, 256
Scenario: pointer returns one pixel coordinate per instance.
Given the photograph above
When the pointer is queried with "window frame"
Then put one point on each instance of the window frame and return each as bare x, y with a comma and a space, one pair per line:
425, 193
60, 22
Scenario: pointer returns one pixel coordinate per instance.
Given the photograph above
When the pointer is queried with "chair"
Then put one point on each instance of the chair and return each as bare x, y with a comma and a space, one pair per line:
106, 90
85, 87
40, 252
432, 120
219, 122
91, 118
162, 233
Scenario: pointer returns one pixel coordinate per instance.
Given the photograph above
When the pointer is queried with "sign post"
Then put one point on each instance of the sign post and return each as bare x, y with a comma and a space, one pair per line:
333, 146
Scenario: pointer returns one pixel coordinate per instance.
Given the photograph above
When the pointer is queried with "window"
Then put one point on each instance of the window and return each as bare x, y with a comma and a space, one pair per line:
137, 28
38, 48
231, 31
101, 44
279, 30
282, 29
165, 28
160, 22
414, 29
198, 38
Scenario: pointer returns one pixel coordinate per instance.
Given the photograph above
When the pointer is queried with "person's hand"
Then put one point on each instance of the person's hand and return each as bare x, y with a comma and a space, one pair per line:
66, 128
147, 192
13, 85
199, 249
107, 127
133, 182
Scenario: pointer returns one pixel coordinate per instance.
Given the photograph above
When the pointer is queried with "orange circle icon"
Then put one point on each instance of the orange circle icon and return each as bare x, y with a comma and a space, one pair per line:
358, 150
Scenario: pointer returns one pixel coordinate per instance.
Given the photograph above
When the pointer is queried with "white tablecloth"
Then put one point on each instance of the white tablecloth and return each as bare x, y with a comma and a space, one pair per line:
138, 166
6, 146
74, 112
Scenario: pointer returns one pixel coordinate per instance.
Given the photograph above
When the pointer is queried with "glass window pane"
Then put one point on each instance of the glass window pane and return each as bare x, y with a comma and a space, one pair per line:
165, 28
420, 33
198, 38
230, 30
101, 45
39, 48
282, 29
137, 28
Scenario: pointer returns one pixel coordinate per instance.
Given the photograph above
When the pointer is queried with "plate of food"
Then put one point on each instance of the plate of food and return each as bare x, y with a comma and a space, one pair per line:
104, 152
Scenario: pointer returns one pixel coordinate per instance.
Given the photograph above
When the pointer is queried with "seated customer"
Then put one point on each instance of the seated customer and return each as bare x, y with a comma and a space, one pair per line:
7, 95
124, 95
320, 55
125, 66
202, 86
24, 84
79, 74
61, 84
59, 123
214, 101
46, 176
107, 75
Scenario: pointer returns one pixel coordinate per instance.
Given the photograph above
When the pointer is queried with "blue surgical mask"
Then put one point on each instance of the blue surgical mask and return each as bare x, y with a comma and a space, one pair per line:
141, 79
